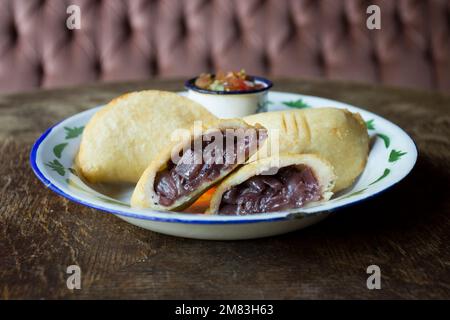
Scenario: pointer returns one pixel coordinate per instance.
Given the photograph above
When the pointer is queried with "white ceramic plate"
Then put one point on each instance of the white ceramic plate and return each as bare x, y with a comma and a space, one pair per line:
392, 156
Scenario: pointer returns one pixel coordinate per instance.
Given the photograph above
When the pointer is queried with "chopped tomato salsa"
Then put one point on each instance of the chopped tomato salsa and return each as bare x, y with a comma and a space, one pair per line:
229, 81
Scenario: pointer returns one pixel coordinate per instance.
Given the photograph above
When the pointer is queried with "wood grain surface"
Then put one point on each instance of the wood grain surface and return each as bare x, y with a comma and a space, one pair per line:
406, 230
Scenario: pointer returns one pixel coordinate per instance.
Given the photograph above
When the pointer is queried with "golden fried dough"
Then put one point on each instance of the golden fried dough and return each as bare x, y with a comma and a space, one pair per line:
123, 137
337, 135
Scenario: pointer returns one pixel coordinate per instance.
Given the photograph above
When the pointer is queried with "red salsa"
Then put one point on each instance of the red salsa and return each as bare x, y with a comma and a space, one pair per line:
227, 81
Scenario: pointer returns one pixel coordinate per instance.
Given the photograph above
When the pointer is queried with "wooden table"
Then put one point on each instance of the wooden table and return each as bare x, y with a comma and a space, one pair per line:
406, 231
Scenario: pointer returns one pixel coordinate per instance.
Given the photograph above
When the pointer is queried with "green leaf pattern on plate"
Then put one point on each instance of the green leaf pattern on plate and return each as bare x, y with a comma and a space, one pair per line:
384, 175
55, 165
385, 138
395, 155
299, 104
73, 132
58, 149
370, 125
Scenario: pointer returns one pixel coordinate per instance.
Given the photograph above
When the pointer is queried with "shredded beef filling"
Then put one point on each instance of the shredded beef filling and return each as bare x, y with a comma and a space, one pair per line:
188, 174
291, 187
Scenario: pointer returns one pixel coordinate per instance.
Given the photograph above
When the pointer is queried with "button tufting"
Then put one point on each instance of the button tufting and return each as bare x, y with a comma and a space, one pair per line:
98, 68
13, 33
182, 27
126, 26
136, 39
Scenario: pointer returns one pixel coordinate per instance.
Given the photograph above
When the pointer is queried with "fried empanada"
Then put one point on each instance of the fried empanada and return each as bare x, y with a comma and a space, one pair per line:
123, 137
204, 156
337, 135
268, 185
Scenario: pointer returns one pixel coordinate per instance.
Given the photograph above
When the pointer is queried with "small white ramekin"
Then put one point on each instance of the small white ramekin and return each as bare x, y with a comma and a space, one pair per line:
231, 104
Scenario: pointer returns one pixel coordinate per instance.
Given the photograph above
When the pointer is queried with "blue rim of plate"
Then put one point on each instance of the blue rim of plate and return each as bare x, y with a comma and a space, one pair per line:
190, 85
264, 217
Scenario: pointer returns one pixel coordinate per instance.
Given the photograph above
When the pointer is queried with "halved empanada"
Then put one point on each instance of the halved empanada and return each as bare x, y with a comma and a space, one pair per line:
204, 156
274, 184
337, 135
122, 138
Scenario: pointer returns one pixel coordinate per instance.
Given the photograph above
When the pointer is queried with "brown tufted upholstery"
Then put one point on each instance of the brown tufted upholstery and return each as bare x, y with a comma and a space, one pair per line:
136, 39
